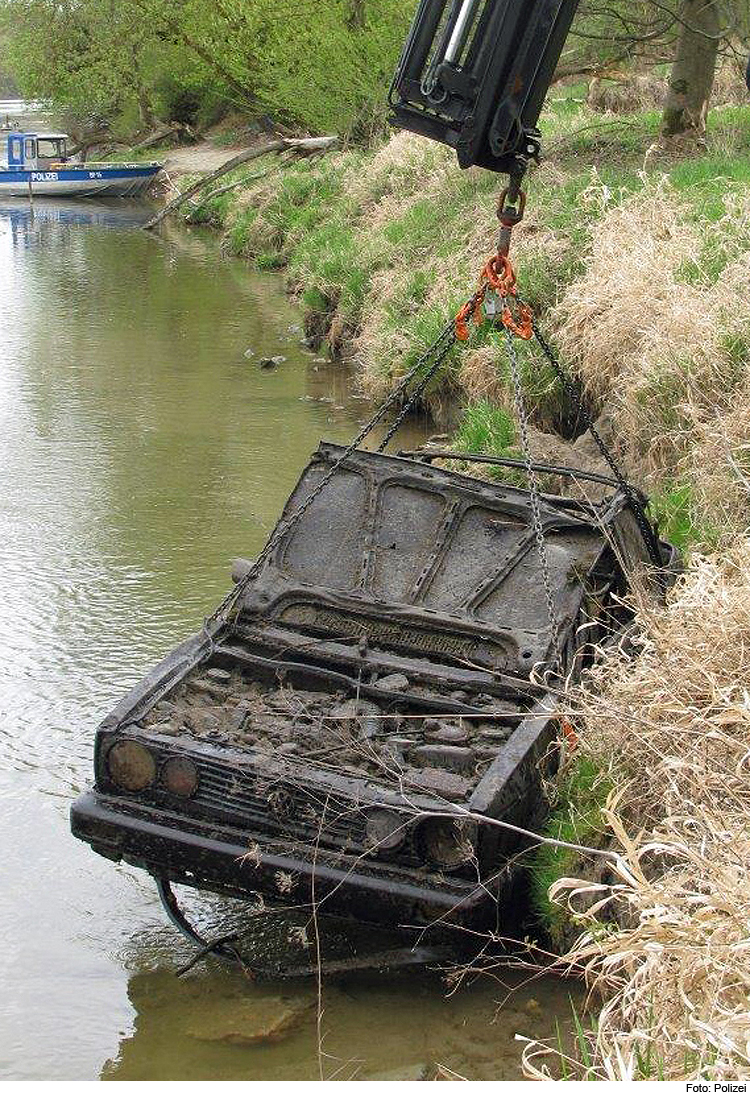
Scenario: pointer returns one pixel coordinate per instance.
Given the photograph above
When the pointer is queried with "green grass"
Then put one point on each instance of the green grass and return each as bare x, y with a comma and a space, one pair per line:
575, 818
308, 225
485, 429
674, 512
356, 267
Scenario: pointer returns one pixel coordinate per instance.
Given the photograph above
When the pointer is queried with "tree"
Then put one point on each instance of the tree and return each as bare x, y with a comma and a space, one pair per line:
607, 33
692, 35
84, 56
694, 68
318, 67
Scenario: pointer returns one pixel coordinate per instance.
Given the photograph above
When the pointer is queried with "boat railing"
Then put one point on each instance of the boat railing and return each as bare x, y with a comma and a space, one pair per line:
106, 165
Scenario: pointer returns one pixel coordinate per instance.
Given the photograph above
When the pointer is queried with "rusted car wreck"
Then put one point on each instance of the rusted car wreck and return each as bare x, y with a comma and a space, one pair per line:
365, 697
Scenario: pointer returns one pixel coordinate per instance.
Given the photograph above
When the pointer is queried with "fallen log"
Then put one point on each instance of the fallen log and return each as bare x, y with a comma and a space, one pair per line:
226, 189
96, 138
181, 131
157, 136
273, 146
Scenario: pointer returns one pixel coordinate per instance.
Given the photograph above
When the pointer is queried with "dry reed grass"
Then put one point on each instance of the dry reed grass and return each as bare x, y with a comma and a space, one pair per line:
408, 166
642, 92
673, 725
721, 458
647, 328
637, 92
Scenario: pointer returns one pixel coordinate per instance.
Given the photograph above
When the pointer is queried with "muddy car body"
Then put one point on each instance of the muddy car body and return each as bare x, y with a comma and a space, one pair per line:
365, 695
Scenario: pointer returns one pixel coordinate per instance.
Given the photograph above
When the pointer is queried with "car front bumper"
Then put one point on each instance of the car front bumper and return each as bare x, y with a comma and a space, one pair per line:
210, 856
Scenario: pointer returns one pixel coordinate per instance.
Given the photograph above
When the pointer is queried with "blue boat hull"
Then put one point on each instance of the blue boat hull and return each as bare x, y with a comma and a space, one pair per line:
84, 180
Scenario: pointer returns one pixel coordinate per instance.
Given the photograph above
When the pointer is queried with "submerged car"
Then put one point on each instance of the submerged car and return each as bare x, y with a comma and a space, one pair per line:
361, 726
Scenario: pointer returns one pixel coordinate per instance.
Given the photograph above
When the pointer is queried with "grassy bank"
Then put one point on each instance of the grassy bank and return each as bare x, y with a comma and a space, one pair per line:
636, 259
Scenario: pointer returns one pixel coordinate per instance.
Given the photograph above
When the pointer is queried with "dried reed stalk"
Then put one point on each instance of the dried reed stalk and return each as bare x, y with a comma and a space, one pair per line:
673, 726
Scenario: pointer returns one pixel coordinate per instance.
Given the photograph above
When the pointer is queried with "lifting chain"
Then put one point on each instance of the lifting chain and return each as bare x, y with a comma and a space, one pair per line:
497, 301
496, 298
497, 283
439, 352
575, 396
536, 511
426, 366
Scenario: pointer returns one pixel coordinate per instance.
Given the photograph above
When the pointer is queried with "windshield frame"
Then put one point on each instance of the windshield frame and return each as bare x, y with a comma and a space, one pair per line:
51, 148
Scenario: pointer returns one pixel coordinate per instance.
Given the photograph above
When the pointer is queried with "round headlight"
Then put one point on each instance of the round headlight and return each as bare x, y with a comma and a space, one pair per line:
180, 776
131, 766
386, 830
447, 843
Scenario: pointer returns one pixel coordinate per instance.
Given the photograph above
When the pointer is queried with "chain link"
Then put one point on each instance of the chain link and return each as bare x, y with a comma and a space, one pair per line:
536, 511
448, 342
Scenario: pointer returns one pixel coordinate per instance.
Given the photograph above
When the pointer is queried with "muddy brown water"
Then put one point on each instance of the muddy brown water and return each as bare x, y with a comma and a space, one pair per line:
140, 450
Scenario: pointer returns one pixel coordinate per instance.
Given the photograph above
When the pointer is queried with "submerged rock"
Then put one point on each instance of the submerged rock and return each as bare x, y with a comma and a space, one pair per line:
249, 1020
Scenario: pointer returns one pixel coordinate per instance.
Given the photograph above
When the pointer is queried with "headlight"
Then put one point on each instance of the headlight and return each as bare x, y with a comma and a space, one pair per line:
386, 830
131, 766
180, 776
447, 843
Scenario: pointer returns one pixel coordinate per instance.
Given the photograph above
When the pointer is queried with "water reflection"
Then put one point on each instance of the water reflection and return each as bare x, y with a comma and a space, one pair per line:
29, 223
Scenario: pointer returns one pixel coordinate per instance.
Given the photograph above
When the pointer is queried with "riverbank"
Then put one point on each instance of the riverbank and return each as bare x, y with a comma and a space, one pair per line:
636, 260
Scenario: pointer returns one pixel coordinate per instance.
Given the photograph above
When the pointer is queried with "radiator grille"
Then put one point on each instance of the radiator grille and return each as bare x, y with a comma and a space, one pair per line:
384, 634
267, 804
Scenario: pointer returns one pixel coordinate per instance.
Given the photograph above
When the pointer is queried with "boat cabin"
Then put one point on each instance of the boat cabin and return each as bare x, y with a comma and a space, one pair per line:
29, 150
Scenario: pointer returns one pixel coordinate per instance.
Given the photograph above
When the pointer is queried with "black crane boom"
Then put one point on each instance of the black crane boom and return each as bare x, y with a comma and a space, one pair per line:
474, 74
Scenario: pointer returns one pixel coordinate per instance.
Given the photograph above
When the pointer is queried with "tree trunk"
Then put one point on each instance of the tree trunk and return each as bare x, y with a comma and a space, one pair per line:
692, 78
145, 111
356, 18
273, 146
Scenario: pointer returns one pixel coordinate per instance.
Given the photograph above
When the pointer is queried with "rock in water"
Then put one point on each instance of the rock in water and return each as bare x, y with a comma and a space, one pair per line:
249, 1020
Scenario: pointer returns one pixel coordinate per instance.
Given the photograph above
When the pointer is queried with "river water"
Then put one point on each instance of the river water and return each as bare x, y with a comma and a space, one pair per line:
141, 448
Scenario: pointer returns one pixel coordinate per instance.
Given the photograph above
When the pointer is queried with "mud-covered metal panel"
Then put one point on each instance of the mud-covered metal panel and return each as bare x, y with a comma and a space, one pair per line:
410, 554
325, 548
519, 599
408, 520
482, 542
